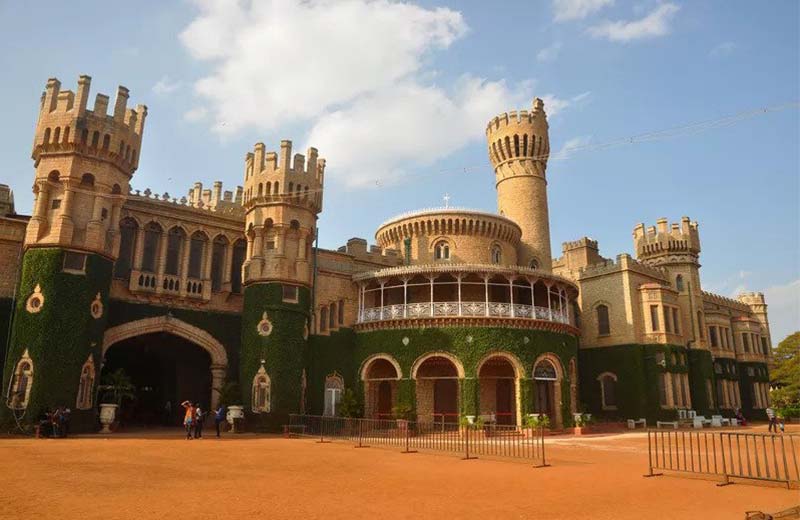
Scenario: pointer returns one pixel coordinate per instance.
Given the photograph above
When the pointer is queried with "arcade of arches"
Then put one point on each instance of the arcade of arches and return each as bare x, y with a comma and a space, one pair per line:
438, 380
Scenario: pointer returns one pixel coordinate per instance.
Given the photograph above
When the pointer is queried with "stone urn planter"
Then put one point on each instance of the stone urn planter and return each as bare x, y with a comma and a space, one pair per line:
235, 418
107, 413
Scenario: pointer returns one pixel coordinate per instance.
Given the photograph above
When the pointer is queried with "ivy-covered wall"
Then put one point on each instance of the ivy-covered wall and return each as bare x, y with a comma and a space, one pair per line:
283, 351
61, 336
760, 374
6, 311
225, 327
637, 370
344, 352
701, 377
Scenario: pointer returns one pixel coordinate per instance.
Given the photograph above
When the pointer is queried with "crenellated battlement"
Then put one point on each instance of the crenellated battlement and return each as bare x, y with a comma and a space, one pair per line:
67, 125
623, 262
536, 116
519, 135
678, 240
576, 244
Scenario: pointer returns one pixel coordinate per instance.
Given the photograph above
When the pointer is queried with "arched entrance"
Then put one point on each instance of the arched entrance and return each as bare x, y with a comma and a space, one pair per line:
547, 376
437, 378
168, 360
498, 385
380, 375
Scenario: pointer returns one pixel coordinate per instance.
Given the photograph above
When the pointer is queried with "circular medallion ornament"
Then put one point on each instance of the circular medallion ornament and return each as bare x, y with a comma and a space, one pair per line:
35, 301
469, 339
406, 341
526, 340
96, 308
264, 326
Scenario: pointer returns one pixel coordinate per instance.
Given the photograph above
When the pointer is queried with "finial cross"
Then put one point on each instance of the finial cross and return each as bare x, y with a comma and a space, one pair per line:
446, 199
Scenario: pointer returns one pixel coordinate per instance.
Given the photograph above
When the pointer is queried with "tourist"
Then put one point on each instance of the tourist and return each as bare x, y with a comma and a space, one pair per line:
188, 418
199, 416
65, 422
219, 417
55, 421
740, 417
773, 421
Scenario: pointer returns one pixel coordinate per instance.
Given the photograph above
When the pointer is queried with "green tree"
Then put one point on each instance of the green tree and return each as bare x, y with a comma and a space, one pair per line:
785, 371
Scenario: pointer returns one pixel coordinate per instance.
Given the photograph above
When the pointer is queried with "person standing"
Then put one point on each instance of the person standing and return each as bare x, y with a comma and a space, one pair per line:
219, 417
188, 418
199, 416
773, 422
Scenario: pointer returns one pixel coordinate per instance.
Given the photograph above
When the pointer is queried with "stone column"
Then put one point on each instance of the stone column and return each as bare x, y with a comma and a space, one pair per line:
138, 248
183, 274
226, 269
217, 382
258, 242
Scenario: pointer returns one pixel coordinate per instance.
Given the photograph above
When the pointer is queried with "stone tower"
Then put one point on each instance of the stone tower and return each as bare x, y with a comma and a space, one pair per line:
282, 198
83, 160
676, 248
518, 148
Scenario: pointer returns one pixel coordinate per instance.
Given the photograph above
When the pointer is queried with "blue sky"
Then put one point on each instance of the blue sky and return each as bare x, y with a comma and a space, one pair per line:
396, 97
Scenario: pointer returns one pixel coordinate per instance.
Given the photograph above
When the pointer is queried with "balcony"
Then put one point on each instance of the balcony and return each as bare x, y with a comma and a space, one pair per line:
461, 309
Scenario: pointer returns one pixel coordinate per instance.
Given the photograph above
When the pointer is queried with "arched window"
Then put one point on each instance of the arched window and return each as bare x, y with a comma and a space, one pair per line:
608, 390
239, 252
332, 317
603, 324
46, 138
175, 241
341, 312
87, 180
53, 176
106, 141
334, 386
496, 254
127, 244
545, 371
679, 283
152, 238
19, 390
218, 262
86, 385
442, 250
323, 319
534, 264
65, 139
95, 139
261, 402
57, 135
197, 251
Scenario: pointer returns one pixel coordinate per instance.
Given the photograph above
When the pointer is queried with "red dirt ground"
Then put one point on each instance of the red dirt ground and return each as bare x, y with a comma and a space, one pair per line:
160, 475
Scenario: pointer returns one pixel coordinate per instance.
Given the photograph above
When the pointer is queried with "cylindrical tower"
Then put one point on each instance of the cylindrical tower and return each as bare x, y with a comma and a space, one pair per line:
84, 161
282, 198
518, 148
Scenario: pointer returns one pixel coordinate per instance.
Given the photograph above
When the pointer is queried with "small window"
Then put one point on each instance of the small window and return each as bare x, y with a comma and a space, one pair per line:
86, 385
545, 371
442, 251
534, 264
496, 255
603, 324
74, 262
334, 386
270, 243
654, 318
21, 383
679, 283
290, 294
341, 312
55, 204
608, 391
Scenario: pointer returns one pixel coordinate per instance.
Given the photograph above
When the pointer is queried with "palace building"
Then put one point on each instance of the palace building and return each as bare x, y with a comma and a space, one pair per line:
452, 313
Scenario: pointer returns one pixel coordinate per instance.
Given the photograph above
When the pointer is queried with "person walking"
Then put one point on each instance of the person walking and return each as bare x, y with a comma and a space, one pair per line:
219, 418
773, 421
188, 418
199, 417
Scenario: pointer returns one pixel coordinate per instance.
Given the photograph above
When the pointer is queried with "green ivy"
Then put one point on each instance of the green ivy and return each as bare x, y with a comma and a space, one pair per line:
344, 352
283, 351
6, 311
61, 336
701, 371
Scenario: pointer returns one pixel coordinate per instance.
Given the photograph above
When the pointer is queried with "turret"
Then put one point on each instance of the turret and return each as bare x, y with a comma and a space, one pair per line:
84, 161
519, 146
282, 198
758, 306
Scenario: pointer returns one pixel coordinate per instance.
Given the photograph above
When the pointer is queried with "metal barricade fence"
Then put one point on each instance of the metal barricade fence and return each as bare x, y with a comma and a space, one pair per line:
411, 436
752, 456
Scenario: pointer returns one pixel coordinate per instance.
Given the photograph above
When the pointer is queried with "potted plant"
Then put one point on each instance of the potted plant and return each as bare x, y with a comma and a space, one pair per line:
350, 407
116, 387
583, 423
535, 421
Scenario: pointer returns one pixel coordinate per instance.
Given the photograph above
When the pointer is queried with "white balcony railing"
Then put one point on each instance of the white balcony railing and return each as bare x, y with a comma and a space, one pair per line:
469, 309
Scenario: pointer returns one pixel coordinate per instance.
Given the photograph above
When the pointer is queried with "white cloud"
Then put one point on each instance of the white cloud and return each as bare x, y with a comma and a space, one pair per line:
195, 114
289, 61
554, 104
165, 86
783, 307
571, 146
565, 10
723, 49
383, 135
657, 23
549, 53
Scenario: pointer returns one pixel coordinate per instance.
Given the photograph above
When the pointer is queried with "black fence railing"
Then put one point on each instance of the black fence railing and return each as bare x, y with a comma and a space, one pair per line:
411, 436
750, 456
